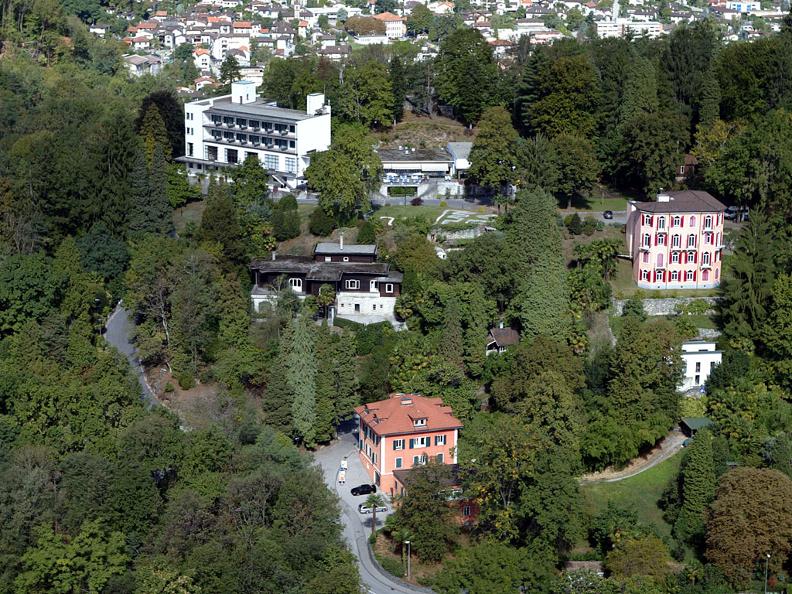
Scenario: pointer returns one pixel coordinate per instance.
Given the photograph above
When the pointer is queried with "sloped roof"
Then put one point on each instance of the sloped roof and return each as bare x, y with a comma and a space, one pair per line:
683, 201
396, 415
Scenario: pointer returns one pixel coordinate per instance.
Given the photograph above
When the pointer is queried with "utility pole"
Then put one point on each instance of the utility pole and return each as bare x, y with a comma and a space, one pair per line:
407, 542
767, 561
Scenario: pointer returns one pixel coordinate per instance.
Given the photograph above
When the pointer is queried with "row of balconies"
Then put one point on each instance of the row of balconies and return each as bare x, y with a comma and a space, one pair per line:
261, 129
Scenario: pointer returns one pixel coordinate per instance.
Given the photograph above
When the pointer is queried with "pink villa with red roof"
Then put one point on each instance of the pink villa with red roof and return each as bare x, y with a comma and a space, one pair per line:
404, 431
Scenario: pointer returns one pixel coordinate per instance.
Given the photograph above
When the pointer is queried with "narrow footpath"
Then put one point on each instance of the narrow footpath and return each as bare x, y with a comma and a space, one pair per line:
667, 447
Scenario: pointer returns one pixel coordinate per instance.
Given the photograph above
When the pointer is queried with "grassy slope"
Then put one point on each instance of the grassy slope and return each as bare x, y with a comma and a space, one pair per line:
640, 493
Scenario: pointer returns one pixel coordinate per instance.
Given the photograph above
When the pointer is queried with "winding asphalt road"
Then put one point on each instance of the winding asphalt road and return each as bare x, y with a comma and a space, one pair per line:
374, 579
117, 333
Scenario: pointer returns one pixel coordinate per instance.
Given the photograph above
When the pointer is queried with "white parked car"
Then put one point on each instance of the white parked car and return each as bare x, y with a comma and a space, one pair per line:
364, 509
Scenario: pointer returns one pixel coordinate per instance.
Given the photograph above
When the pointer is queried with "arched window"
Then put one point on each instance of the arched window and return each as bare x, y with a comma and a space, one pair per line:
660, 260
647, 240
675, 241
691, 240
296, 284
705, 275
705, 258
676, 221
708, 222
692, 221
661, 222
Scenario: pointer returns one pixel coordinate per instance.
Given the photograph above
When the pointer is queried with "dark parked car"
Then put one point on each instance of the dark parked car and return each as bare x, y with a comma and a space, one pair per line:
608, 214
364, 489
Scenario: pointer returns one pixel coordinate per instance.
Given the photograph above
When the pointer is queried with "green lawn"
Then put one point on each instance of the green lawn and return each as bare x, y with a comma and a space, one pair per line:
599, 204
639, 493
410, 212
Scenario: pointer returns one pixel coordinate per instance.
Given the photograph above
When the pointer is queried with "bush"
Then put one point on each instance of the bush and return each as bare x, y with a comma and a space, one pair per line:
367, 233
573, 224
169, 387
416, 201
588, 227
391, 565
347, 324
285, 223
321, 223
401, 191
186, 381
288, 202
443, 203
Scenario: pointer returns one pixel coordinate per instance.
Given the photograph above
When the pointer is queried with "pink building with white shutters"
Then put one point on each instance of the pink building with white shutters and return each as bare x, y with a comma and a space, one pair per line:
677, 241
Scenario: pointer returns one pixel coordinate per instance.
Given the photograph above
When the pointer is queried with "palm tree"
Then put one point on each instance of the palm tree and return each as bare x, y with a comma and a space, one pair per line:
374, 501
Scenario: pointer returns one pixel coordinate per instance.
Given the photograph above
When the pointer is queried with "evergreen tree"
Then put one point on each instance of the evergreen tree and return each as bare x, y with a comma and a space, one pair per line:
301, 368
398, 77
278, 397
640, 90
149, 209
219, 223
154, 135
172, 113
541, 303
230, 70
698, 488
709, 100
537, 167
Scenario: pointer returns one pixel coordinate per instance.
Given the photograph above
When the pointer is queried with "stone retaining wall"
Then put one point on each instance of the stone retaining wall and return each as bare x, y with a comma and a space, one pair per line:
662, 307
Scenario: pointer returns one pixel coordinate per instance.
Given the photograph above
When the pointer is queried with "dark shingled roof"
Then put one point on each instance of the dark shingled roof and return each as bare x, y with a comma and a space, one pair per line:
505, 336
683, 201
319, 271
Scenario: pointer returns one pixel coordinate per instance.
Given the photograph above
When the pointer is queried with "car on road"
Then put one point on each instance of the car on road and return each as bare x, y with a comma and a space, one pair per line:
365, 509
608, 214
364, 490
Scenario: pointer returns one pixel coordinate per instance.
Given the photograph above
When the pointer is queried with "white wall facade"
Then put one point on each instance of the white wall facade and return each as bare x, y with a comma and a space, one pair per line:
698, 357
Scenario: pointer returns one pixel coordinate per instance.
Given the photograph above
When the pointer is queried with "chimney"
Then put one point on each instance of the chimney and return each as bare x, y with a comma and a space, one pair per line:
341, 241
663, 197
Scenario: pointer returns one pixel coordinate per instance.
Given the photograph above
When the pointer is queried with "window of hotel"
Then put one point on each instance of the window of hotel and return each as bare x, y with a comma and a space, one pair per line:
398, 462
705, 275
661, 222
659, 260
645, 257
352, 283
647, 219
241, 122
705, 258
189, 149
675, 239
708, 238
708, 222
291, 164
232, 156
398, 444
419, 442
674, 275
295, 284
440, 440
691, 241
254, 124
647, 240
271, 162
676, 222
692, 221
291, 129
691, 257
389, 287
661, 239
689, 275
674, 257
228, 136
644, 275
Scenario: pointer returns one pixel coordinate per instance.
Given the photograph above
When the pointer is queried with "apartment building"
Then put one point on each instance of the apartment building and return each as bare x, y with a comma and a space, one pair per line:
394, 25
402, 432
677, 241
223, 131
698, 357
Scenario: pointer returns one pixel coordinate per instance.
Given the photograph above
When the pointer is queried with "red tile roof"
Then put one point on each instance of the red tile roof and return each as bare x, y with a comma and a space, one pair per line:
397, 415
387, 17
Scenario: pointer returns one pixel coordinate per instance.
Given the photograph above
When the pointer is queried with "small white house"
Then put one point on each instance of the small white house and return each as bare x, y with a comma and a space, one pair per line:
698, 357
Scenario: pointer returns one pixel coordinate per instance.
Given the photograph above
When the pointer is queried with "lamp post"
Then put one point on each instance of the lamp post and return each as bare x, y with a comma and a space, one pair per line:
767, 560
407, 542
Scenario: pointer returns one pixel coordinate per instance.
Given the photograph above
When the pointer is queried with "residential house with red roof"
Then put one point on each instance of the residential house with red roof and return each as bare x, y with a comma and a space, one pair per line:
402, 432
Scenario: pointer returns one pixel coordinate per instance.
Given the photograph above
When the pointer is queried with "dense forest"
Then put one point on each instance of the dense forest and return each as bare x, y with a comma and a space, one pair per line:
100, 494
